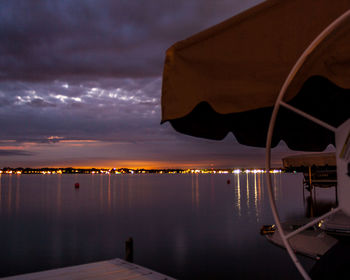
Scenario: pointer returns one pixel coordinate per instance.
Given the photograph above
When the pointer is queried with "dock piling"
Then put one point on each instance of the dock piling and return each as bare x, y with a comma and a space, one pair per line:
129, 250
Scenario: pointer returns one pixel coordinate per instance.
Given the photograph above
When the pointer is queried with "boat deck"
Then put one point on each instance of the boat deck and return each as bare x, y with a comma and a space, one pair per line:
338, 223
116, 269
312, 243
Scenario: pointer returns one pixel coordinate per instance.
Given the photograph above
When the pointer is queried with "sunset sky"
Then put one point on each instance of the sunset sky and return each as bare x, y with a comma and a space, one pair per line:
80, 84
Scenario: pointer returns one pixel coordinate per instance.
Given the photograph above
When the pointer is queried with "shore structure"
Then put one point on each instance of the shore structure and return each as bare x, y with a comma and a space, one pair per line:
319, 170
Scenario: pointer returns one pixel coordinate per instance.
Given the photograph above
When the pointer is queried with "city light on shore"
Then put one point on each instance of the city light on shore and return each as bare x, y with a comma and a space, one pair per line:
70, 170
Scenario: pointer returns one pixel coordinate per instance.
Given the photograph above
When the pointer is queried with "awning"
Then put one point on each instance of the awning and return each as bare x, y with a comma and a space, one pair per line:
227, 78
313, 159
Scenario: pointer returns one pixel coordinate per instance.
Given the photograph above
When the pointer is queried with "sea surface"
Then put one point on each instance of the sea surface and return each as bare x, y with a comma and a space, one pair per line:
187, 226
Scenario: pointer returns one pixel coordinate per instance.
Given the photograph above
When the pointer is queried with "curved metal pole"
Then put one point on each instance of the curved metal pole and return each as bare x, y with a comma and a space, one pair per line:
286, 84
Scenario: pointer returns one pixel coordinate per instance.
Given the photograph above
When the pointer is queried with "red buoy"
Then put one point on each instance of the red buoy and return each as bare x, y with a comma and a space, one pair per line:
77, 185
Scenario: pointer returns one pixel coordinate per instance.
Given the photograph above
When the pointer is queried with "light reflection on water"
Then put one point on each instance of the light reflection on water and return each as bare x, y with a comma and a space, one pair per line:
188, 226
195, 190
253, 185
59, 196
237, 183
0, 194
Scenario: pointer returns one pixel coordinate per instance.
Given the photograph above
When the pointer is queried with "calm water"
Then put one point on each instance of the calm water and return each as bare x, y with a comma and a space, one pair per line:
186, 226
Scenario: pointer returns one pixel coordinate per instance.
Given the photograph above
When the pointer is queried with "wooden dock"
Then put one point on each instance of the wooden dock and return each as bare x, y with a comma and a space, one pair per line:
116, 269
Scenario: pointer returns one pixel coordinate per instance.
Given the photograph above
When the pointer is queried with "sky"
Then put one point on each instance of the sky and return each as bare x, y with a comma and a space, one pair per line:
80, 84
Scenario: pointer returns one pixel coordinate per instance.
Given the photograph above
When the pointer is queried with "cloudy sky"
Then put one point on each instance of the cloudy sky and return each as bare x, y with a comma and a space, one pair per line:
80, 84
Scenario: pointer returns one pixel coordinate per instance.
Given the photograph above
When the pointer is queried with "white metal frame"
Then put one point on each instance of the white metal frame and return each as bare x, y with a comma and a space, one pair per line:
279, 102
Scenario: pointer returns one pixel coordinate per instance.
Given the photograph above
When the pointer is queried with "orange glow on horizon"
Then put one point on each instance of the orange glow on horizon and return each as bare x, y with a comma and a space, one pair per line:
109, 164
11, 148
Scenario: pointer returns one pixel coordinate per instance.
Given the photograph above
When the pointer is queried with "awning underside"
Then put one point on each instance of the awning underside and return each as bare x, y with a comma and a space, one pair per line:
318, 97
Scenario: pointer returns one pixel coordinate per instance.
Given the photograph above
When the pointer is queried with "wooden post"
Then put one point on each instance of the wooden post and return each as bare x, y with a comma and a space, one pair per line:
312, 202
129, 250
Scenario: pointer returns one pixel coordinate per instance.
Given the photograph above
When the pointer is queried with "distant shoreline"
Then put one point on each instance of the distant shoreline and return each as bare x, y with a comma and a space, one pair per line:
71, 170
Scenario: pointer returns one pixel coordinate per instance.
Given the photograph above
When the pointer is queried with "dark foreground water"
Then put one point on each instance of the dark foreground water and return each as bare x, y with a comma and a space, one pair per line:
185, 226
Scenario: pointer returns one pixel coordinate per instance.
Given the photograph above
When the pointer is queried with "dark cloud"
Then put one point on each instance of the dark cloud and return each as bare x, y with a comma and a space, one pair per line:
15, 153
60, 38
38, 102
129, 110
